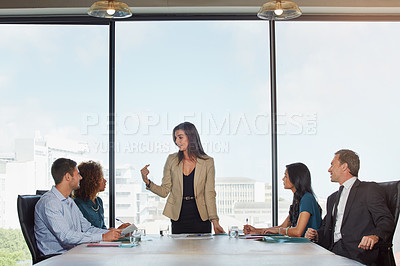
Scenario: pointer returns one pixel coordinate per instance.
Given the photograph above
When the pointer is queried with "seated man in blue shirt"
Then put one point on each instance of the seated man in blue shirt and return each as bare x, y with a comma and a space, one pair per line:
59, 224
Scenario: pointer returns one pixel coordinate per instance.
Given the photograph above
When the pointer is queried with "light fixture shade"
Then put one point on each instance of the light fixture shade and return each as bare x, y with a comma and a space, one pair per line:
110, 9
279, 10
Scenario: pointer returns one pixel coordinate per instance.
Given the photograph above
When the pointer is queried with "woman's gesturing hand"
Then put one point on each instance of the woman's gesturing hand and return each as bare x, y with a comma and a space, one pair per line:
144, 173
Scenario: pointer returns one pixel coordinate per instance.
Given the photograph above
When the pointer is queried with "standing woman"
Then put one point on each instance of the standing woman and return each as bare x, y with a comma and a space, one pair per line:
304, 212
86, 197
189, 179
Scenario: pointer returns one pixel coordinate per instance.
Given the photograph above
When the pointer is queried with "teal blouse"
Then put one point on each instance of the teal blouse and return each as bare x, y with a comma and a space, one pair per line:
310, 205
94, 213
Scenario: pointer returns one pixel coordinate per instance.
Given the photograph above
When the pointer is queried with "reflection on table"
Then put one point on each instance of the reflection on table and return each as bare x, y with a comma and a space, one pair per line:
215, 250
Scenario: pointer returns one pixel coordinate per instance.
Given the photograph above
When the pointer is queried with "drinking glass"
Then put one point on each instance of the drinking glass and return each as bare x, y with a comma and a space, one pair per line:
164, 230
142, 231
135, 237
233, 231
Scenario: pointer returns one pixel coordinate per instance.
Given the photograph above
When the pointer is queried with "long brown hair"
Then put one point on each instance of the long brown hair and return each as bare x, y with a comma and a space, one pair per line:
195, 149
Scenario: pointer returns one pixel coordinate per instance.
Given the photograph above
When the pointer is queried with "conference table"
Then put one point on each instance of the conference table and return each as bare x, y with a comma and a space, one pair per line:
192, 251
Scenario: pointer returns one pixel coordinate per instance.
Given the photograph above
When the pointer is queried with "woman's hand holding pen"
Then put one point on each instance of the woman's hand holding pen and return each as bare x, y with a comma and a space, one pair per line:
144, 173
249, 230
123, 225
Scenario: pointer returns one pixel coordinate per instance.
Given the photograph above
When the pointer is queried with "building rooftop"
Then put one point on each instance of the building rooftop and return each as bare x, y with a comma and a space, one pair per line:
252, 205
234, 180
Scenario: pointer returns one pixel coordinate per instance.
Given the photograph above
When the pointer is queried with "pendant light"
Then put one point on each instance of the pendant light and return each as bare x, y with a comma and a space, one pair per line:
110, 9
279, 10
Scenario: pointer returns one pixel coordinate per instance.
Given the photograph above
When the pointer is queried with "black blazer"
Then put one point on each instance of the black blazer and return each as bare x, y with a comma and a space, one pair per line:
366, 213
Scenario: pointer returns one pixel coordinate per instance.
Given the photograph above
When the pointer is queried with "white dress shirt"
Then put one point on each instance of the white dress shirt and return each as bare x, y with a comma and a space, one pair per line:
341, 207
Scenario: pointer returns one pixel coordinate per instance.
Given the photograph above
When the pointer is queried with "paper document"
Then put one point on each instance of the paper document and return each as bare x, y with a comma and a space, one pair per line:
104, 244
251, 237
128, 229
191, 236
284, 239
111, 245
257, 236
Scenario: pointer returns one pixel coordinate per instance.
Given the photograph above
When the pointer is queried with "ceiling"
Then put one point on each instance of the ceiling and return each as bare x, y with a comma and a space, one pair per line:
309, 7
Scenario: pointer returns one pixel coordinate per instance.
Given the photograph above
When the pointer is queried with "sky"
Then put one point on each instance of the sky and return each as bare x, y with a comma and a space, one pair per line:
337, 88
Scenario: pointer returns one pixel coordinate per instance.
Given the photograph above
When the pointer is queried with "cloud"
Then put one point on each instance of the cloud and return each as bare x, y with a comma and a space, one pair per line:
246, 37
24, 119
5, 80
133, 35
91, 50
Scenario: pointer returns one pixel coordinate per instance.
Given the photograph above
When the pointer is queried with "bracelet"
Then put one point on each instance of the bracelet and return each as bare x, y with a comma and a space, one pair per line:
286, 230
279, 230
148, 185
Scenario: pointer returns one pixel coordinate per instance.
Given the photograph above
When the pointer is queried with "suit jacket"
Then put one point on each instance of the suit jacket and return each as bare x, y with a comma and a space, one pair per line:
366, 213
204, 188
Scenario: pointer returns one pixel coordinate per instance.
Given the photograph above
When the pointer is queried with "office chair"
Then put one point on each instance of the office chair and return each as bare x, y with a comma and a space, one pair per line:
392, 197
26, 213
40, 192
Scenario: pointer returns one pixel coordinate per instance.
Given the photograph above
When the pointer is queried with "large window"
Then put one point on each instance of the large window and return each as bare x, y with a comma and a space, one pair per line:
54, 87
213, 74
338, 88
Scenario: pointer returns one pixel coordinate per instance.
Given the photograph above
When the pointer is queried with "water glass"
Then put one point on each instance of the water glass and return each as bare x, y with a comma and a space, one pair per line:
135, 237
233, 231
142, 231
164, 230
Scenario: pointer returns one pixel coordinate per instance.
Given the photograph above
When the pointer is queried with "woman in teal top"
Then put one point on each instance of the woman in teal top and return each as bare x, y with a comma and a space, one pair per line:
86, 198
304, 212
92, 211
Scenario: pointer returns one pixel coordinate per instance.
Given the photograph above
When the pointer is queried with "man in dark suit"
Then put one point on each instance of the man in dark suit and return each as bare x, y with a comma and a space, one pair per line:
358, 220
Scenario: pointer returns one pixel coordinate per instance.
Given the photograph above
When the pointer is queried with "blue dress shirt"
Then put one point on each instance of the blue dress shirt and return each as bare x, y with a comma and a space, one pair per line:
60, 225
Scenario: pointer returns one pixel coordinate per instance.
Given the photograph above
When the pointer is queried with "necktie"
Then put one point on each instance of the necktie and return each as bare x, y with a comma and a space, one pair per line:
336, 207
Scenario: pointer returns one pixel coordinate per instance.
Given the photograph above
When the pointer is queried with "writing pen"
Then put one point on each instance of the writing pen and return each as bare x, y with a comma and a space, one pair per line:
195, 235
119, 220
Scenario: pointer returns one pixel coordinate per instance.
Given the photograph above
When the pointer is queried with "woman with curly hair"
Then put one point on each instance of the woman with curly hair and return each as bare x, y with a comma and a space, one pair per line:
86, 197
304, 212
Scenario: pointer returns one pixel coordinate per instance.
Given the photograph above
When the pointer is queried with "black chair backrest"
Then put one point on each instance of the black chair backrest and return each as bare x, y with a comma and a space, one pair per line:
392, 196
26, 213
41, 192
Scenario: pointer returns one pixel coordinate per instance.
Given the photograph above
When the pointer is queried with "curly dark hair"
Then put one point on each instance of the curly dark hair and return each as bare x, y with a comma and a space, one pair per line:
92, 174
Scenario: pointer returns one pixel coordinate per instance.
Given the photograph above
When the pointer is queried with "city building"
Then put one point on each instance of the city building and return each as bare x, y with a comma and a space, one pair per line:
28, 170
231, 190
